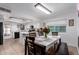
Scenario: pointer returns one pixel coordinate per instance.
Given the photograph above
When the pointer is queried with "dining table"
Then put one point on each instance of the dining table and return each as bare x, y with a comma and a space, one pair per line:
46, 43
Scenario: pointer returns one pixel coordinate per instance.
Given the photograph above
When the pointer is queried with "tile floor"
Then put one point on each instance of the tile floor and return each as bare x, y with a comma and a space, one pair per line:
12, 47
72, 50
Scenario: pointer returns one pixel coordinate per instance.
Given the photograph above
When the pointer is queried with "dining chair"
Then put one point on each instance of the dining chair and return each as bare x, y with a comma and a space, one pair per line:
30, 45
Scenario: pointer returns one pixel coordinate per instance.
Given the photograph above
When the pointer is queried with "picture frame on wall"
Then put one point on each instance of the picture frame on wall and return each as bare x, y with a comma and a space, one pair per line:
22, 27
71, 22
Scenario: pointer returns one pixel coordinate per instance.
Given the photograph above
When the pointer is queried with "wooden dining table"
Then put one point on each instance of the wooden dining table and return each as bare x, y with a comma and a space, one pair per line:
46, 43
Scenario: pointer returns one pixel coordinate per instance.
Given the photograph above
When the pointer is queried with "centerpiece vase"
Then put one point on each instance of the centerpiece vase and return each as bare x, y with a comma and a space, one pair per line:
45, 35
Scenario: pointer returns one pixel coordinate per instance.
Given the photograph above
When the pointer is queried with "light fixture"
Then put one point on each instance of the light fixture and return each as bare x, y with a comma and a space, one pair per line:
43, 8
5, 9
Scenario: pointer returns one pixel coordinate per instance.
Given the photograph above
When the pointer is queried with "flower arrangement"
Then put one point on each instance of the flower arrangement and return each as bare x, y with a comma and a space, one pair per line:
46, 30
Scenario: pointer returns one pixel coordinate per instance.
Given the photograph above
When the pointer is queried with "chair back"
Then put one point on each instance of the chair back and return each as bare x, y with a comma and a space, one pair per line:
30, 45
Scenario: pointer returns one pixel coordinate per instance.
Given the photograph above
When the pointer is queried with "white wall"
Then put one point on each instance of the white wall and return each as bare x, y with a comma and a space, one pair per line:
14, 28
70, 36
78, 26
35, 24
5, 16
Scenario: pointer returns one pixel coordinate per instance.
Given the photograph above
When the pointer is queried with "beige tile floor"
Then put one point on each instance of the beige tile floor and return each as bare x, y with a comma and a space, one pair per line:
72, 50
12, 47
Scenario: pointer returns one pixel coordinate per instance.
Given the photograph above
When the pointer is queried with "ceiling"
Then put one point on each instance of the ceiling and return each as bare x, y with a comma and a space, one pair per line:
27, 11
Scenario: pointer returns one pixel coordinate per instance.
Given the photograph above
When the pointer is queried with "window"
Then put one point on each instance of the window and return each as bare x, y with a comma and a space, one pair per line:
57, 28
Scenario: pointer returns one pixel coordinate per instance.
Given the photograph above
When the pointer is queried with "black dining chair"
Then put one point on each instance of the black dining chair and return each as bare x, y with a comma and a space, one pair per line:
30, 45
